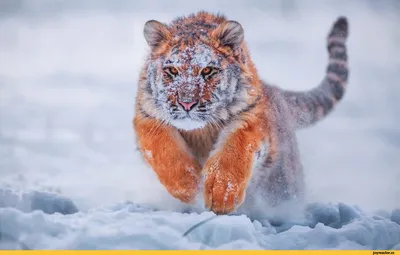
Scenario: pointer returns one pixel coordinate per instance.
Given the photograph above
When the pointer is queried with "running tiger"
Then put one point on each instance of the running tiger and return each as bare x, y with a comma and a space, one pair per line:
206, 122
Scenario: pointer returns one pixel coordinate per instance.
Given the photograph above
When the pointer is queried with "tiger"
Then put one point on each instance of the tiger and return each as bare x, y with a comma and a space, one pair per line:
206, 123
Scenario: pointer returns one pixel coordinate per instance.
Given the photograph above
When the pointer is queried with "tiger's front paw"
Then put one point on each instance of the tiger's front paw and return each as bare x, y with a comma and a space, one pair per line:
184, 186
224, 190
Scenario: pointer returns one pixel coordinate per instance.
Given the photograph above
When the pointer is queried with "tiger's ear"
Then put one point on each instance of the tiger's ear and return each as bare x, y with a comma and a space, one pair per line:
156, 33
229, 33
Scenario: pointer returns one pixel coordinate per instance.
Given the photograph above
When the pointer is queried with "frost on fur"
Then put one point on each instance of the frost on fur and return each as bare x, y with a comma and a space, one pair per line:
202, 106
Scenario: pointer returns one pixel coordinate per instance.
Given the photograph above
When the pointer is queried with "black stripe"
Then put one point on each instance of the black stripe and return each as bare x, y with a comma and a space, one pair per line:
336, 88
249, 107
148, 88
219, 91
325, 102
313, 104
142, 111
338, 55
338, 69
215, 96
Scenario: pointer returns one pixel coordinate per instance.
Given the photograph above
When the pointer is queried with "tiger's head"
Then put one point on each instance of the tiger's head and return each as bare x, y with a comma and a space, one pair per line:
196, 73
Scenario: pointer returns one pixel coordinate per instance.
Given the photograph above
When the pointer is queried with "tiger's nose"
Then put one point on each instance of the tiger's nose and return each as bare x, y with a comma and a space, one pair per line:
187, 105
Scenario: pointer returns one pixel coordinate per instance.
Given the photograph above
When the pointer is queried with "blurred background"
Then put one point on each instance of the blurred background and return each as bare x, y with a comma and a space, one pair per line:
68, 79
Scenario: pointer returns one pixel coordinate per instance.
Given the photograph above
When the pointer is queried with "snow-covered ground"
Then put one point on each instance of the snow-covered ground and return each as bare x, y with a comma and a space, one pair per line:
68, 71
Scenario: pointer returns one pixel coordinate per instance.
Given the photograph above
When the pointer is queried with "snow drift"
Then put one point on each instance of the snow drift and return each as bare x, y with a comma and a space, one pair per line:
26, 225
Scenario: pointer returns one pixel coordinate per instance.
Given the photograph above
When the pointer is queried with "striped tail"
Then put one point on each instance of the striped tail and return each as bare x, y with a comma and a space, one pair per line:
309, 107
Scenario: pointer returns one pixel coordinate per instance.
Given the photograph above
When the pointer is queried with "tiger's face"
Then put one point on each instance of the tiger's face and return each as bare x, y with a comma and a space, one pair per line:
193, 83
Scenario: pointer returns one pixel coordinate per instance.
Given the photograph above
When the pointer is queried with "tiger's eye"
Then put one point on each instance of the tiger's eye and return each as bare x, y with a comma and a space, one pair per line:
206, 71
173, 70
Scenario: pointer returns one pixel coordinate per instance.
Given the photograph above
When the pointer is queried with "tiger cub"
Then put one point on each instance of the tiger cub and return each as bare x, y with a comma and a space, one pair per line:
203, 116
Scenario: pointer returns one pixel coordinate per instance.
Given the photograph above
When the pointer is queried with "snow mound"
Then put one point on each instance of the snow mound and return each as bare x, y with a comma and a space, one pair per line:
53, 222
35, 200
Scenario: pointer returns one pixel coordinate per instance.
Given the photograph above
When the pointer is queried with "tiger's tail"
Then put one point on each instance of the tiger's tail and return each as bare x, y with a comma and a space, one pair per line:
309, 107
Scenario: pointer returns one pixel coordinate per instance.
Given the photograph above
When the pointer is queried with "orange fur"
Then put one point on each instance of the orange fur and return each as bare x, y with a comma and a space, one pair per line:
166, 152
228, 170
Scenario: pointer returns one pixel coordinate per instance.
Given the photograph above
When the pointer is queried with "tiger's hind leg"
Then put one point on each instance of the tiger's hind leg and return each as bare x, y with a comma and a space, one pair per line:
282, 188
286, 179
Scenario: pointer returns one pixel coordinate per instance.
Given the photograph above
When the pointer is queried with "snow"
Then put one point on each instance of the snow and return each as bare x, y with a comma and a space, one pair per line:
148, 154
130, 226
68, 158
188, 124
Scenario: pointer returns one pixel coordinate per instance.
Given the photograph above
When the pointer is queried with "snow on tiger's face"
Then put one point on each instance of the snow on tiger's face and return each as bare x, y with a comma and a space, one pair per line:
193, 86
192, 83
